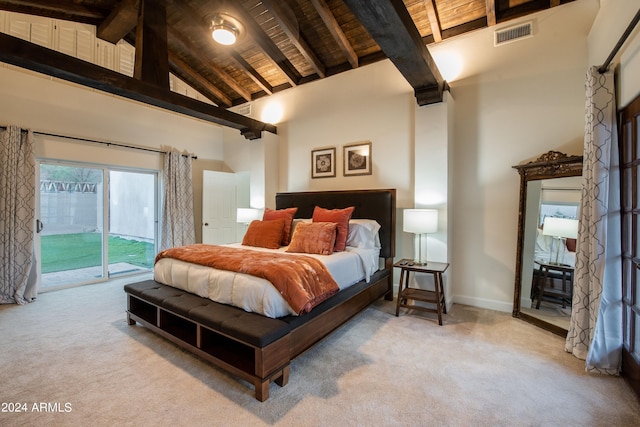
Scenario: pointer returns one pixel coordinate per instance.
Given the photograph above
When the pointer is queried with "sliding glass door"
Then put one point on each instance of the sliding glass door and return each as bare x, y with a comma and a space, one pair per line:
132, 222
95, 223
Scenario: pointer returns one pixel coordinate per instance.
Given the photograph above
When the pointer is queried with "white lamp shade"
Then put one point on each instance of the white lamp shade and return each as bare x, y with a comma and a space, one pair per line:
560, 227
246, 215
419, 221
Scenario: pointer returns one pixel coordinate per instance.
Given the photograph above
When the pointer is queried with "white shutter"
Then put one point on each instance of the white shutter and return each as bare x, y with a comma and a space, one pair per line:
106, 54
85, 42
18, 26
75, 40
176, 85
66, 40
42, 33
30, 28
125, 58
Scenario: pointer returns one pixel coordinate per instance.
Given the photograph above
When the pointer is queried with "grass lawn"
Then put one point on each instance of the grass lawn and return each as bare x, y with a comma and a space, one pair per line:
63, 252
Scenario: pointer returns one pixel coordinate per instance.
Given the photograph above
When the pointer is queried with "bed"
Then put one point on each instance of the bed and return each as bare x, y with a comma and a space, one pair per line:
253, 346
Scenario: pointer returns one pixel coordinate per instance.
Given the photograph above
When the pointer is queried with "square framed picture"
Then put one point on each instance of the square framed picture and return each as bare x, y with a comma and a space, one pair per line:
323, 163
357, 159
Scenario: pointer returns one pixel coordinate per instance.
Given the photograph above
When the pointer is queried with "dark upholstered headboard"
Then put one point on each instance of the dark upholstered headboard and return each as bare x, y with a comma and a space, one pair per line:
369, 204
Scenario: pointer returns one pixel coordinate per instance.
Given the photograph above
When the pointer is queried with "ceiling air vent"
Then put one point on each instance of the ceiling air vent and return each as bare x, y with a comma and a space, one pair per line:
511, 34
244, 109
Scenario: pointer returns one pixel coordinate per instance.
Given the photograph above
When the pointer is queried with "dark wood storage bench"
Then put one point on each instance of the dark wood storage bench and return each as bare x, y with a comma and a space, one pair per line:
254, 347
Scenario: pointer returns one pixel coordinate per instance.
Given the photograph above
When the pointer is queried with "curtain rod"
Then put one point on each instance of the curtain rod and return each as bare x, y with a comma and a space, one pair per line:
116, 144
623, 38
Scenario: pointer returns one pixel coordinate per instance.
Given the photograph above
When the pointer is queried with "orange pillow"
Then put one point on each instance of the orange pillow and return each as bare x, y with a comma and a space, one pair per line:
287, 215
340, 217
264, 234
314, 238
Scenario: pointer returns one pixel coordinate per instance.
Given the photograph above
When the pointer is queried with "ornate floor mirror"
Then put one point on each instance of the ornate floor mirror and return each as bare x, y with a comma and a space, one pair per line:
550, 189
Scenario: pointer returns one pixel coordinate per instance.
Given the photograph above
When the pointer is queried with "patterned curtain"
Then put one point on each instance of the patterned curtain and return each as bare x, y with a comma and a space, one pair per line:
17, 215
595, 331
177, 219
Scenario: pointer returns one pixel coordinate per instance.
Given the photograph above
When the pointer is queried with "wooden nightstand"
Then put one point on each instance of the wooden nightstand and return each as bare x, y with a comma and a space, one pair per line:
562, 296
406, 293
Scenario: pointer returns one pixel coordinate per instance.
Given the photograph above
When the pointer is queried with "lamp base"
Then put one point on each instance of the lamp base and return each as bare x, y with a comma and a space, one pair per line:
420, 263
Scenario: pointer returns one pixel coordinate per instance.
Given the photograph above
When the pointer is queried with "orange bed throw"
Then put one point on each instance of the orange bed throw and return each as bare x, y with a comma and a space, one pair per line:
303, 281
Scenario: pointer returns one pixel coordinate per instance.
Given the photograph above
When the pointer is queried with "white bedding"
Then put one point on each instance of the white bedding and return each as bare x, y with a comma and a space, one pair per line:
255, 294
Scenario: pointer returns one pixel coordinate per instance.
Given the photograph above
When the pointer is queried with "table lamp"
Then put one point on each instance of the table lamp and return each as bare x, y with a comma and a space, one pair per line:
246, 215
420, 221
560, 229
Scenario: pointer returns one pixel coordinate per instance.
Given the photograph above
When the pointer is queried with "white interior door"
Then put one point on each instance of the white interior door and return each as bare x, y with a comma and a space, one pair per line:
219, 203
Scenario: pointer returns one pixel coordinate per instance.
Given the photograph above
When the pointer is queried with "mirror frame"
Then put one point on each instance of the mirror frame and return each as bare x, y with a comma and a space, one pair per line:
552, 164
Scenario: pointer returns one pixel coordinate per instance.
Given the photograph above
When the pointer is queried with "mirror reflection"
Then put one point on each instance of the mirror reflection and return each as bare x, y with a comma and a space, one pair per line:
550, 194
549, 249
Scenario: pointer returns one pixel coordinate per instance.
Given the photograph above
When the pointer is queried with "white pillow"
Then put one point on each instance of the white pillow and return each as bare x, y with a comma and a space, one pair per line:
363, 233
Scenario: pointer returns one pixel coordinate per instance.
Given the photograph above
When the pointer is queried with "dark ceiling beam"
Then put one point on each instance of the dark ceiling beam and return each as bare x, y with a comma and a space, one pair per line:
195, 52
196, 55
252, 72
58, 9
193, 78
390, 25
491, 13
476, 24
434, 20
263, 41
30, 56
122, 20
522, 9
336, 32
291, 29
152, 54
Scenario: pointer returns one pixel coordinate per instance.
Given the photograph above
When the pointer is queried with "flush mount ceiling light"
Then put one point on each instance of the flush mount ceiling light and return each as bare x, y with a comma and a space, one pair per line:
225, 29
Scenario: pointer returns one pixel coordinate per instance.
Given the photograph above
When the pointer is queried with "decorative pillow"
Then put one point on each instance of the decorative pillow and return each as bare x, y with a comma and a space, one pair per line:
297, 221
363, 233
314, 238
264, 234
571, 245
287, 215
340, 217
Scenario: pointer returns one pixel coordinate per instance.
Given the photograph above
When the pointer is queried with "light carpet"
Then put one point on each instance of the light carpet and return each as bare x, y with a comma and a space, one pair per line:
73, 351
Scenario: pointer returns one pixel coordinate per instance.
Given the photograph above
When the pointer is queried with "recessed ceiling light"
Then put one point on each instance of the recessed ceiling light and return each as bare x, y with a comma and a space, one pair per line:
225, 29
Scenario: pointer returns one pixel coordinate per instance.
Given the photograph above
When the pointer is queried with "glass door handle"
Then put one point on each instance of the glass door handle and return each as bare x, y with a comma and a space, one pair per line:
39, 226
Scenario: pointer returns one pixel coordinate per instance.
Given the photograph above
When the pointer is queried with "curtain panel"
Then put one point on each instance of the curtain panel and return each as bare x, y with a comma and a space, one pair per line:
595, 330
177, 218
17, 215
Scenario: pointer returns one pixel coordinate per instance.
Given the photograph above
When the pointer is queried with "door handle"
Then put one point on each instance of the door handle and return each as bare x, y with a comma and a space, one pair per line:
206, 224
39, 226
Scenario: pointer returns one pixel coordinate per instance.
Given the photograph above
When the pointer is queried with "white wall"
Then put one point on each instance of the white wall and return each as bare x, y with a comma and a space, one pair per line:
512, 103
371, 103
612, 20
526, 98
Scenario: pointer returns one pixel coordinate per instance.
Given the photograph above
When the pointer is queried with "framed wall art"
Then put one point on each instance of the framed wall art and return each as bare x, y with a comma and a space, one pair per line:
323, 163
357, 159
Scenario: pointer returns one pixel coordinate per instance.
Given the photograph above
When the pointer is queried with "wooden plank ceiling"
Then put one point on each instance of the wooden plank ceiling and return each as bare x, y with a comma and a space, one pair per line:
283, 43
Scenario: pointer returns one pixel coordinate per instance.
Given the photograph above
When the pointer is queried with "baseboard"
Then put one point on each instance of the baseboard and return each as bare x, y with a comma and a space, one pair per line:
506, 307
